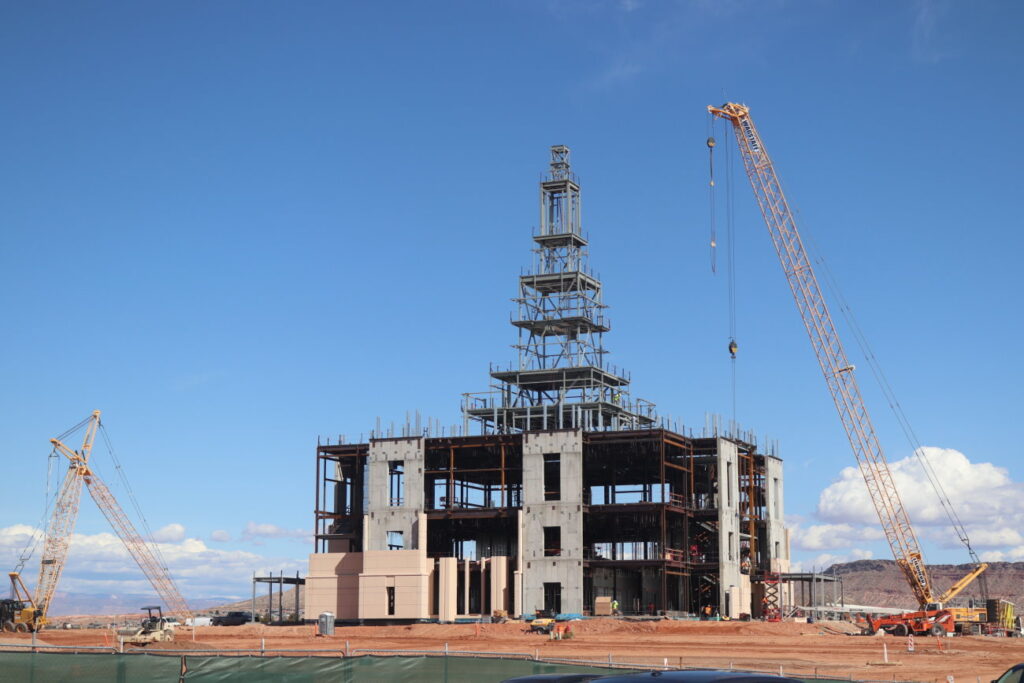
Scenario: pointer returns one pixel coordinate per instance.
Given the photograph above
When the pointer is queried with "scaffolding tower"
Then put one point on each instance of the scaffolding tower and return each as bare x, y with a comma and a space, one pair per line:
561, 379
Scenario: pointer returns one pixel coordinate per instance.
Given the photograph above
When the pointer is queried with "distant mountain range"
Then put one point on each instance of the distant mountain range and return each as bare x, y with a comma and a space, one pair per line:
865, 582
880, 583
67, 604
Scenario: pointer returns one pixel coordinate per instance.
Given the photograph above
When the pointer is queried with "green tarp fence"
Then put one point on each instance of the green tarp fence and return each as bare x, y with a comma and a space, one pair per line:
127, 668
40, 667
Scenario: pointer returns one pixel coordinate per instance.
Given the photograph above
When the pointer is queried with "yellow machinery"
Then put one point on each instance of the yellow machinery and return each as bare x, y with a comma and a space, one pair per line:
62, 524
838, 372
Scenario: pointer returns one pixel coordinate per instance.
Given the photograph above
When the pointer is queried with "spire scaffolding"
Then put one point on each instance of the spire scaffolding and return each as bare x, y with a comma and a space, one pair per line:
561, 380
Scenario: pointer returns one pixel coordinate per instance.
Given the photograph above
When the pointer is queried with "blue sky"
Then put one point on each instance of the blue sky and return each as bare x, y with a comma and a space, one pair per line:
236, 226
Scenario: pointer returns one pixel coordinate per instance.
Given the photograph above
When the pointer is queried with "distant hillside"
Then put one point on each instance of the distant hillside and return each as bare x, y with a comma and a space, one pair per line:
66, 604
881, 583
287, 602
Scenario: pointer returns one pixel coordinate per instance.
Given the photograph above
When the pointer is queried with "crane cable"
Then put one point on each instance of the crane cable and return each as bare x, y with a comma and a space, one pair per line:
131, 496
730, 234
894, 403
35, 538
730, 248
711, 194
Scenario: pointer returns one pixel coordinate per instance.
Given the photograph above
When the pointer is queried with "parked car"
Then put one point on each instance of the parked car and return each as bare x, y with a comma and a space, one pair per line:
199, 621
232, 619
1015, 674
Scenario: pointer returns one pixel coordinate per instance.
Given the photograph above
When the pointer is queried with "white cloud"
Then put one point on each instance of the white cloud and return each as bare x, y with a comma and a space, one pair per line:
988, 502
923, 45
172, 533
1011, 555
832, 536
826, 560
255, 532
99, 563
220, 536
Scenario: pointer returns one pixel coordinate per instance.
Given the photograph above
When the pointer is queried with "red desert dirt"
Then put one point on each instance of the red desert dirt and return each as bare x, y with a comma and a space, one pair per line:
824, 647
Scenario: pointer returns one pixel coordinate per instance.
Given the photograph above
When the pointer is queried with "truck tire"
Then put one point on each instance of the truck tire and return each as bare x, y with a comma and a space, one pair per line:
21, 628
900, 630
937, 630
9, 626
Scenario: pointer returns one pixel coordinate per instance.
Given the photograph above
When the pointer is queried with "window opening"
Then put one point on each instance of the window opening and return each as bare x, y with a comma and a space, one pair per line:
552, 476
396, 483
552, 541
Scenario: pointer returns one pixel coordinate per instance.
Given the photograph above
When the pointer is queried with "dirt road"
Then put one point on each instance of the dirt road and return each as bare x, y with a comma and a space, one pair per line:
798, 648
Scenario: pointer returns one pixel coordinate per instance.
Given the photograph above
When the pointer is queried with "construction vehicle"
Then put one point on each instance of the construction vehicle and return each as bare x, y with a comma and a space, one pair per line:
842, 384
10, 609
32, 616
543, 622
153, 629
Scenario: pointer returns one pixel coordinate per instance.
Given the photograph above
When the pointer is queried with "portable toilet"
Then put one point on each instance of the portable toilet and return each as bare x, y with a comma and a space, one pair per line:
325, 624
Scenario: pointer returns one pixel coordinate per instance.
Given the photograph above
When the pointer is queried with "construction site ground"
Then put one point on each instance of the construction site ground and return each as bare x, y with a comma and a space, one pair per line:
825, 648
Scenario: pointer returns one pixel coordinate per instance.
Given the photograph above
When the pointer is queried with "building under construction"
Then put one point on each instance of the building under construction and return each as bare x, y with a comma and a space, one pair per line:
558, 490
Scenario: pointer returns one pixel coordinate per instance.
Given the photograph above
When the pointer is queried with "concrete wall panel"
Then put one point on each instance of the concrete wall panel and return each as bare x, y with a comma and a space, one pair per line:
383, 517
566, 513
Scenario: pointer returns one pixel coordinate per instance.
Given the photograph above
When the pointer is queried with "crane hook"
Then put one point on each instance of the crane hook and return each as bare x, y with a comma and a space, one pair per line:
733, 348
711, 142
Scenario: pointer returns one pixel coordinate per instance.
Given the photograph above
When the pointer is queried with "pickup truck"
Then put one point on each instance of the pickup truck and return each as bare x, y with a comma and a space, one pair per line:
232, 619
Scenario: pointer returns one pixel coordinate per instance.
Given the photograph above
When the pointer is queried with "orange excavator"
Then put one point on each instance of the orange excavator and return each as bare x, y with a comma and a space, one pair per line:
932, 617
33, 607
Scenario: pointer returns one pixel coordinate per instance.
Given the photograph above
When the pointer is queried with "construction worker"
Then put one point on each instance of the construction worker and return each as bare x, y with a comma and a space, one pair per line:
615, 607
706, 615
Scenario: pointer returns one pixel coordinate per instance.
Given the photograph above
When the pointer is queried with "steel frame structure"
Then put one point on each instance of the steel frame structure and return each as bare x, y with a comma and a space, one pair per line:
650, 497
561, 379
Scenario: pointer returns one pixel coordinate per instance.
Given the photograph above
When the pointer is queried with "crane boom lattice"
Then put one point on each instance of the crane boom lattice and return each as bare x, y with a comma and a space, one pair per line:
838, 372
58, 536
140, 551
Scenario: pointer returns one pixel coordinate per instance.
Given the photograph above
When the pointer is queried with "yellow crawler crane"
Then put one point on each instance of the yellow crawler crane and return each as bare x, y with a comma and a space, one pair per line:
842, 384
62, 524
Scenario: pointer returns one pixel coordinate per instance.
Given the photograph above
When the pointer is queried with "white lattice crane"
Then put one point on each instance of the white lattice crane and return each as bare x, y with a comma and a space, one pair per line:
62, 524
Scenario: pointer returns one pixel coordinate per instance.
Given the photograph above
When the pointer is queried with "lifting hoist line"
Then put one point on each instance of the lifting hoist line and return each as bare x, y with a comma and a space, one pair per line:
838, 372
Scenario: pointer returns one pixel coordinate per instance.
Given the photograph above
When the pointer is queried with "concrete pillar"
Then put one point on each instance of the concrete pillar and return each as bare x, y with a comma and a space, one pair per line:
566, 513
729, 529
447, 586
499, 582
517, 575
778, 548
465, 586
